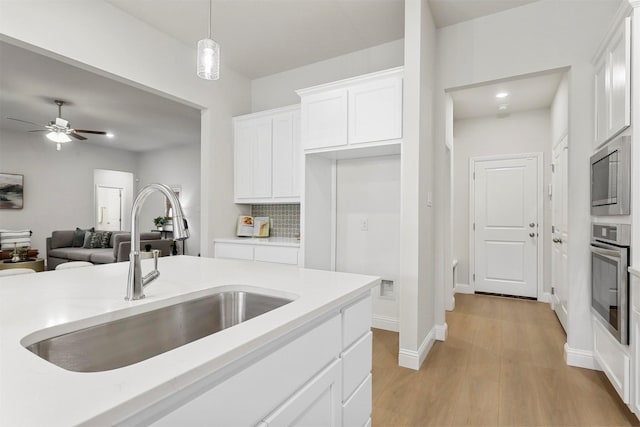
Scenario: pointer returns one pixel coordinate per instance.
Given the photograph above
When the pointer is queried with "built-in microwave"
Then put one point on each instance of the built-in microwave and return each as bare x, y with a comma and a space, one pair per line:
611, 177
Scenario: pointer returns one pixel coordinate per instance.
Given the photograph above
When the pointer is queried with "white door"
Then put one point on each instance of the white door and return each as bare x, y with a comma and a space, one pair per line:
506, 226
109, 208
559, 208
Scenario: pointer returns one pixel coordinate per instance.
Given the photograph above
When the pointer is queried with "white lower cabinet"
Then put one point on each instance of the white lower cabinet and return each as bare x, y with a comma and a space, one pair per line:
298, 381
634, 337
316, 404
259, 252
613, 358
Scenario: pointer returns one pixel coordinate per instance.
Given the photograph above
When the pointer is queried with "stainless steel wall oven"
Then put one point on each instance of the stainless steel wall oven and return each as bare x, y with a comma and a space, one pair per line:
610, 278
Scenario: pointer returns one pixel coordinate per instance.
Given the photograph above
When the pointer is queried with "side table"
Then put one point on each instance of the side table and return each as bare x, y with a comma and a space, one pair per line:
36, 264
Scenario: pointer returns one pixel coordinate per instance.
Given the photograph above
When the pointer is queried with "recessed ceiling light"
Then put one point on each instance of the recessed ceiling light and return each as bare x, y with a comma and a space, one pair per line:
110, 135
501, 95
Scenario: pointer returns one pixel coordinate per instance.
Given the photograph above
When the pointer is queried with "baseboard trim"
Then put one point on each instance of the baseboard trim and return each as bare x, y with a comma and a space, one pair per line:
441, 332
387, 323
580, 358
545, 297
413, 359
463, 288
452, 304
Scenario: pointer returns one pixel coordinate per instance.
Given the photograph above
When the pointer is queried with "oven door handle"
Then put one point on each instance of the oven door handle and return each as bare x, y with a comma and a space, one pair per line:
605, 252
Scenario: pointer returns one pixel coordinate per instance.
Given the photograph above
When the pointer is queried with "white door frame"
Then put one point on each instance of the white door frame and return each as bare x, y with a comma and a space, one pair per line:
540, 199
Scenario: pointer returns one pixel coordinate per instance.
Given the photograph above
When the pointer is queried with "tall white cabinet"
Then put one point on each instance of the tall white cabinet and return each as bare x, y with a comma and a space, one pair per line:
267, 156
612, 83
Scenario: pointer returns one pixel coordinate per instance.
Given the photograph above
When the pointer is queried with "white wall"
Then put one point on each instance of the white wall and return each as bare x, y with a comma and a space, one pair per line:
543, 35
278, 90
58, 185
369, 189
419, 322
119, 46
522, 132
178, 166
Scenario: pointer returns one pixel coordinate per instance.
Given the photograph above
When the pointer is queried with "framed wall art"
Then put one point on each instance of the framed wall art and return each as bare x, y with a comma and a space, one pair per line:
11, 191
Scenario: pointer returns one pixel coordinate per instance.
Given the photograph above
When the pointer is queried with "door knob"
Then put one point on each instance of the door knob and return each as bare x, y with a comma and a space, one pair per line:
555, 240
532, 224
559, 240
532, 234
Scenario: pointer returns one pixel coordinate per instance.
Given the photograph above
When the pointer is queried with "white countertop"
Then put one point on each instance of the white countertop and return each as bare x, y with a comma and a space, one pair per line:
267, 241
36, 392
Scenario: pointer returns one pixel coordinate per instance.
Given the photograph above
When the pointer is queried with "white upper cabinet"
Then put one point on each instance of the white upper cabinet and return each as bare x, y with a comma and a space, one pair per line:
286, 160
267, 156
613, 83
375, 111
360, 110
324, 119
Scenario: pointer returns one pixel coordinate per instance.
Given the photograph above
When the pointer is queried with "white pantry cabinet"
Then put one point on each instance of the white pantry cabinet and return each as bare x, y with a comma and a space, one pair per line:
296, 381
267, 156
360, 110
612, 83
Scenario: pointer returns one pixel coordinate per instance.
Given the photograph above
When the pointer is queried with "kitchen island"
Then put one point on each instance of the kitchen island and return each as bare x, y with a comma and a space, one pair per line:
307, 360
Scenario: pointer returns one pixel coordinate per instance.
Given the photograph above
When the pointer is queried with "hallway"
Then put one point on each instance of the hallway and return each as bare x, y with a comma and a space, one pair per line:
502, 364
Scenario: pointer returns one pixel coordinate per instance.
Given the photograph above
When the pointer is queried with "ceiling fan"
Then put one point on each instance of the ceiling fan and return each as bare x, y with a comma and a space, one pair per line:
60, 130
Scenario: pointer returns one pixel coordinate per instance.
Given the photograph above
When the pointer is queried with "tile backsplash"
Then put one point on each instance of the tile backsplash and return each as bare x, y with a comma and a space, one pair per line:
285, 219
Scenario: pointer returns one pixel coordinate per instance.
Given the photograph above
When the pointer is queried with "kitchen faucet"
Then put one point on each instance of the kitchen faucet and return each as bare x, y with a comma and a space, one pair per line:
136, 282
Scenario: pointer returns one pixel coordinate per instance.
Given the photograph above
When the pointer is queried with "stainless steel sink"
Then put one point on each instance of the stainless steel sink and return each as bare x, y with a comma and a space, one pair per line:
132, 339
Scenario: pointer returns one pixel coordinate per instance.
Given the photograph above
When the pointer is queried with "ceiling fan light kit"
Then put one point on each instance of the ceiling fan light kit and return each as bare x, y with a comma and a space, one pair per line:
208, 56
59, 131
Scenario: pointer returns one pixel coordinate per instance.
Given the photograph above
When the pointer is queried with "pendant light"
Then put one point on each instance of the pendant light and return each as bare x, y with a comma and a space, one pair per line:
209, 56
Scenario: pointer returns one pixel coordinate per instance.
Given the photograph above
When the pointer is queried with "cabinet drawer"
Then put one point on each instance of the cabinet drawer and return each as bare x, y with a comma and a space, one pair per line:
248, 396
357, 410
356, 321
277, 254
229, 250
356, 362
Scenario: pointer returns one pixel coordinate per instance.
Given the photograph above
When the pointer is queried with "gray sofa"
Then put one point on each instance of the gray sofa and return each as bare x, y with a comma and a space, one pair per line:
60, 248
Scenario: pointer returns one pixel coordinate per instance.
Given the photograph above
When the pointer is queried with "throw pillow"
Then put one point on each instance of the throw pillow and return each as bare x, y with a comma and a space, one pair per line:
87, 240
79, 237
106, 238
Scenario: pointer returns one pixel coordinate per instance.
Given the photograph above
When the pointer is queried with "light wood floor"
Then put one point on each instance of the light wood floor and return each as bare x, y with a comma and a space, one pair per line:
502, 364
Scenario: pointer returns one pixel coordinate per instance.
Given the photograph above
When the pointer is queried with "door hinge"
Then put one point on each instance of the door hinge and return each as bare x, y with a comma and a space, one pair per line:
553, 229
553, 168
474, 277
474, 226
474, 175
553, 290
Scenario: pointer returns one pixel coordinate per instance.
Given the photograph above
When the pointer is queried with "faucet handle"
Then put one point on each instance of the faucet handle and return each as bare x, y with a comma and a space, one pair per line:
156, 253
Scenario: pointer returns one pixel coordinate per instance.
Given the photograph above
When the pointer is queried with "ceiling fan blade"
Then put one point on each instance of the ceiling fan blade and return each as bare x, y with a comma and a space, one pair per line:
76, 136
24, 121
95, 132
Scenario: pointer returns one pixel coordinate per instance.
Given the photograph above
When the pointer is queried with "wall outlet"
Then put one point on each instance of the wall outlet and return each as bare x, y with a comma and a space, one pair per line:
364, 224
387, 289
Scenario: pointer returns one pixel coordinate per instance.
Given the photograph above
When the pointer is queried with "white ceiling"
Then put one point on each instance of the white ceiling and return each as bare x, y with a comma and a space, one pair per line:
258, 38
449, 12
527, 93
263, 37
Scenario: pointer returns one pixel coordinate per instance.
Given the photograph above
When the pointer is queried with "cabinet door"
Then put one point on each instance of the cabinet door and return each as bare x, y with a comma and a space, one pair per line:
601, 102
324, 119
286, 155
620, 66
252, 158
635, 350
318, 403
375, 111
